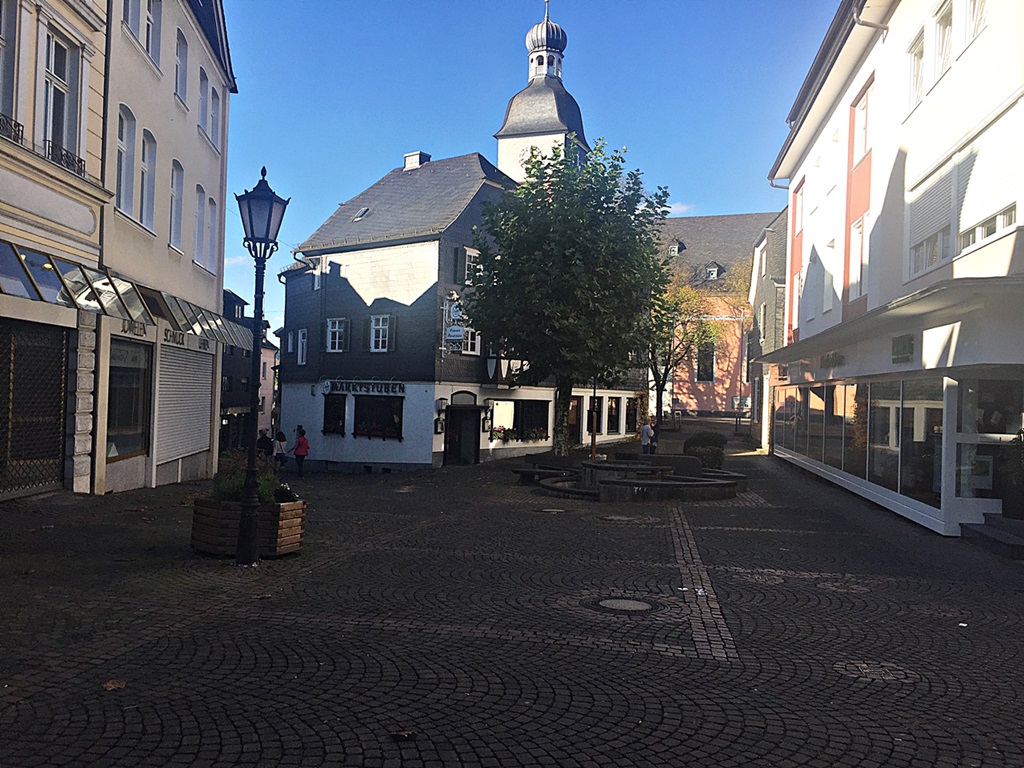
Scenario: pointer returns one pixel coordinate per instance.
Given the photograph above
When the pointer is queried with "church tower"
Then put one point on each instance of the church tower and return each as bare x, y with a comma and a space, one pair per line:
543, 113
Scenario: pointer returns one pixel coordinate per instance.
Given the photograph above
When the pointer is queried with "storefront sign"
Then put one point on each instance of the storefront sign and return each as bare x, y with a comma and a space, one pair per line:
903, 348
134, 327
336, 387
455, 333
174, 337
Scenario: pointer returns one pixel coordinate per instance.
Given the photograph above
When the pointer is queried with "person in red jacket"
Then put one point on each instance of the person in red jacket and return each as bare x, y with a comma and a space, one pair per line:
300, 449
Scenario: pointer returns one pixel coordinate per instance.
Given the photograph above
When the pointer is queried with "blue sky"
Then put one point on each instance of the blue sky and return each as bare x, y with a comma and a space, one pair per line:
332, 93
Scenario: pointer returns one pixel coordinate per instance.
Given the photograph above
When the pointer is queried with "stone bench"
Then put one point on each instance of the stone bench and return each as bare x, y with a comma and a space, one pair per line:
533, 475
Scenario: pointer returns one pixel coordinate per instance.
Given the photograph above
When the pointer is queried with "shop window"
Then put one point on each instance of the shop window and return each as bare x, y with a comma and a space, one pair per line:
921, 441
596, 406
855, 430
531, 419
334, 414
884, 434
632, 412
377, 416
832, 424
128, 400
990, 406
613, 415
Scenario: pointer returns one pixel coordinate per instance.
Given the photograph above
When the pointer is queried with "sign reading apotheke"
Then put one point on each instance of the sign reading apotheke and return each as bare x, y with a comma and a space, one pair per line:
337, 387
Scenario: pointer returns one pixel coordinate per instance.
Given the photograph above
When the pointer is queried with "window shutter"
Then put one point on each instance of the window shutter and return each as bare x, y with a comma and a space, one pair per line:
364, 341
347, 325
987, 173
933, 208
392, 332
460, 265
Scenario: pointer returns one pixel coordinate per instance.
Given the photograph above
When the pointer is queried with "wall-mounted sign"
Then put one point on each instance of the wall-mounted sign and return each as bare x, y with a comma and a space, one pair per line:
455, 333
337, 387
903, 348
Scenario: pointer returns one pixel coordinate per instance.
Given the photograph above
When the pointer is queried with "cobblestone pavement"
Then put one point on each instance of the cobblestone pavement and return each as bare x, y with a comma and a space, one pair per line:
454, 618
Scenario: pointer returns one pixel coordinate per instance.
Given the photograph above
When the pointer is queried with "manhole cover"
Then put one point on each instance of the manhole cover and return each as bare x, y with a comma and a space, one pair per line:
623, 604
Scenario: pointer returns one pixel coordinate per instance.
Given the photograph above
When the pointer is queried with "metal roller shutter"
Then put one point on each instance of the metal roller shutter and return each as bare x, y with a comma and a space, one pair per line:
933, 208
184, 404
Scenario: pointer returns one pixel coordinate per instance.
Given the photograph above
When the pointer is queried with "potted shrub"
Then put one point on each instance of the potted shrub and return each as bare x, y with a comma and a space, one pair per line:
282, 514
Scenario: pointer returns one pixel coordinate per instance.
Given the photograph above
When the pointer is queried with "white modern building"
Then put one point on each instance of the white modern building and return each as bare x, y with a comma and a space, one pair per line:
902, 377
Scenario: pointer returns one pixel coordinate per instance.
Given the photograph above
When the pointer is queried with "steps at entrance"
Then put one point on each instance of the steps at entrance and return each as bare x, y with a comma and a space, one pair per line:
999, 535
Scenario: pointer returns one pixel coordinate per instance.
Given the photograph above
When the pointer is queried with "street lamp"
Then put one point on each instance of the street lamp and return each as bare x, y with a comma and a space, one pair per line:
262, 212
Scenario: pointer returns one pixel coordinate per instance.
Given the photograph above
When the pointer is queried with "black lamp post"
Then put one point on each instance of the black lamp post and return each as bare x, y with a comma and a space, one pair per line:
262, 212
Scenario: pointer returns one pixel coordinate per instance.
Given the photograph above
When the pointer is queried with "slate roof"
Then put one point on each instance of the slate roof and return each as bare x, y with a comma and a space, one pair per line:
542, 107
725, 240
405, 204
210, 15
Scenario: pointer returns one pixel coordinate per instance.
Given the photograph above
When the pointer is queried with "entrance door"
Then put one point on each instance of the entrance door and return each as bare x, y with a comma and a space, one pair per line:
462, 436
33, 385
576, 420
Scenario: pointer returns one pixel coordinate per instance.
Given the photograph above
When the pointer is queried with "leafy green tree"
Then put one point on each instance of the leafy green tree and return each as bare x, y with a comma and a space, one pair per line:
678, 328
568, 265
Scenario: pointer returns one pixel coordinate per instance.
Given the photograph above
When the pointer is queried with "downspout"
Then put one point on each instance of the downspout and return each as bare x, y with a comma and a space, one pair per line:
861, 23
771, 183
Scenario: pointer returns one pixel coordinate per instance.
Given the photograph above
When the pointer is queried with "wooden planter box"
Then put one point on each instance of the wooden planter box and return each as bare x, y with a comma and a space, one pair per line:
215, 527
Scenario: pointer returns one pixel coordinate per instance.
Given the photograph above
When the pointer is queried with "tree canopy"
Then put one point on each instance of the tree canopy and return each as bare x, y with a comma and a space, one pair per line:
567, 269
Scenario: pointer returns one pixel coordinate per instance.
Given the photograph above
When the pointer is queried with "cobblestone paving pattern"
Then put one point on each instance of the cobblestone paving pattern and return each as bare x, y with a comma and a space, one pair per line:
453, 618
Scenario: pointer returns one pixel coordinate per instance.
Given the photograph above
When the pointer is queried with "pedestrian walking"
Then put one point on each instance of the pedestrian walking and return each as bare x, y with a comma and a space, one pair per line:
281, 449
649, 437
300, 449
264, 444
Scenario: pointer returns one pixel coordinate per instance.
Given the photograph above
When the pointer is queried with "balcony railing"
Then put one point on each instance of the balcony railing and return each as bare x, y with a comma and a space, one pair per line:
11, 129
65, 158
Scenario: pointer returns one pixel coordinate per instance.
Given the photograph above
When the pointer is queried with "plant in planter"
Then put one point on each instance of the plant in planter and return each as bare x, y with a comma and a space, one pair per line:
537, 433
281, 512
504, 434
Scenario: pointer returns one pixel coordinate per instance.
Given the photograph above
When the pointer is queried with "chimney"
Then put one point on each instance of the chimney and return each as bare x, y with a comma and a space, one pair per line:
414, 160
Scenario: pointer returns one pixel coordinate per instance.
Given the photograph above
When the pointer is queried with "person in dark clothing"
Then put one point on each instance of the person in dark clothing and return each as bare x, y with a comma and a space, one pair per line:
264, 445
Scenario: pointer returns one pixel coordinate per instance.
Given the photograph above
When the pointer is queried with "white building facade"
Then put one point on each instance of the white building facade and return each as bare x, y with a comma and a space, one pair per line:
903, 374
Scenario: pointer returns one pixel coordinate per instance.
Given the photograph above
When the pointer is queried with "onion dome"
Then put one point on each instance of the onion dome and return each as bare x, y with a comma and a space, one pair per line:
546, 36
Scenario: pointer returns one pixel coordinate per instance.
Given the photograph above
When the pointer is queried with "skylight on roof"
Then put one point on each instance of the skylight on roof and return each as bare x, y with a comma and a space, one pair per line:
362, 212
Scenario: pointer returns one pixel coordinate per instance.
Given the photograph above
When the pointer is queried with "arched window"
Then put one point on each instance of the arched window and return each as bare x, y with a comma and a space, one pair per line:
147, 179
177, 190
181, 67
204, 98
551, 61
212, 230
197, 254
123, 192
215, 117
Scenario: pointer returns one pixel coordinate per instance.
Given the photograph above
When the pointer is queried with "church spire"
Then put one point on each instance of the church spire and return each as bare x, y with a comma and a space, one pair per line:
545, 42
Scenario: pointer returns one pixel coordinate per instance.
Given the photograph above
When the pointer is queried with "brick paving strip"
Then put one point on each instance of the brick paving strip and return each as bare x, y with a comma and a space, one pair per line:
710, 633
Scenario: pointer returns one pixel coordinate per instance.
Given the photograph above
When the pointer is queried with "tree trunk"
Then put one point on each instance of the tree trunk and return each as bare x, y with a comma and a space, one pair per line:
561, 439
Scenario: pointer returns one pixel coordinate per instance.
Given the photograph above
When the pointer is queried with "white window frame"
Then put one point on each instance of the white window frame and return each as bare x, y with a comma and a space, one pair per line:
990, 227
859, 248
379, 329
204, 100
942, 38
151, 28
472, 265
916, 53
861, 121
124, 179
57, 83
200, 227
177, 195
471, 342
181, 67
214, 117
147, 180
212, 236
337, 330
301, 347
975, 18
933, 250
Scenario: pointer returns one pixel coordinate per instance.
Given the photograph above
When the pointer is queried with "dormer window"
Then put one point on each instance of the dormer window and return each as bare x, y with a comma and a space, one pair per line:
362, 212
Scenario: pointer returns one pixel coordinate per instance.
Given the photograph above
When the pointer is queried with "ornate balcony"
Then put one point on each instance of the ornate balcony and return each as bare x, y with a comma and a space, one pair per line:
11, 129
65, 158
